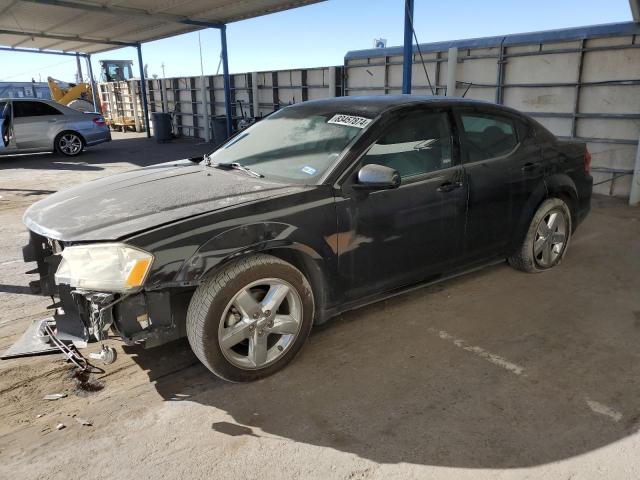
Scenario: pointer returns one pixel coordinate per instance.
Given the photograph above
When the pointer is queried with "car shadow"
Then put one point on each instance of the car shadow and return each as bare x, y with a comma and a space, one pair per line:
423, 379
17, 289
139, 151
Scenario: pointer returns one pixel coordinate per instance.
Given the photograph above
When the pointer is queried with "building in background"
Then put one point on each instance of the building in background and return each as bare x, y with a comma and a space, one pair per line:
24, 90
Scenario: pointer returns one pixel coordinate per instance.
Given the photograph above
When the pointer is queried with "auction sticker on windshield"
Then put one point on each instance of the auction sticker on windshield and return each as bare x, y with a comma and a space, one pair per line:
350, 120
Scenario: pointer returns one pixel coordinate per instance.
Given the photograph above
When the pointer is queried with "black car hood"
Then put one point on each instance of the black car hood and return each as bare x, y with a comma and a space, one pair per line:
117, 206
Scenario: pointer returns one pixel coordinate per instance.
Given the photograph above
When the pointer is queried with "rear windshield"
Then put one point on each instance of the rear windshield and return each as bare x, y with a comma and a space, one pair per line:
292, 144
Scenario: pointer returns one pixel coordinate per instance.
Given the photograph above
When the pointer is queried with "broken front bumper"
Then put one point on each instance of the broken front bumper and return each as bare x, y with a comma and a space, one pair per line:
80, 316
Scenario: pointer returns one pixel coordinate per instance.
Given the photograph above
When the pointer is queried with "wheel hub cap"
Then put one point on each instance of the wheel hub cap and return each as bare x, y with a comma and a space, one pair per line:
70, 144
551, 236
260, 323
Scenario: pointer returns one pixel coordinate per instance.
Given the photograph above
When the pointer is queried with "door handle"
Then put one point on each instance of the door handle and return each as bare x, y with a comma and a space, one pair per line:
449, 186
530, 166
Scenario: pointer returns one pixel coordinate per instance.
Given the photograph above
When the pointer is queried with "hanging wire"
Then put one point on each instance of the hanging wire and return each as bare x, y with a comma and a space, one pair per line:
418, 47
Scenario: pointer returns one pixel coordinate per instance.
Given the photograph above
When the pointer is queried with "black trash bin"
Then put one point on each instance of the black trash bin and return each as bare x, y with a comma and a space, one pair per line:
161, 126
219, 123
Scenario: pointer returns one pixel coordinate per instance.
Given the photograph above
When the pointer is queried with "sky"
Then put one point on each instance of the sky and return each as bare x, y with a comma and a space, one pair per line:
321, 34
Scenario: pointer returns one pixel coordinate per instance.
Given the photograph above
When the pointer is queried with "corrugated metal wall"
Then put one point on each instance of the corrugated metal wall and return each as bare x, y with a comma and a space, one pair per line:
183, 97
581, 83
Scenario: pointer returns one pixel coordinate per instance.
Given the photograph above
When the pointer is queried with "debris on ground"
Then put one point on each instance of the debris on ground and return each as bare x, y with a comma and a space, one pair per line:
55, 396
85, 383
60, 426
83, 421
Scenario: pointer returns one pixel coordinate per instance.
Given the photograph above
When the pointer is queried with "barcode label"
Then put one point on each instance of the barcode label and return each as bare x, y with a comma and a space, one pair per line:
350, 120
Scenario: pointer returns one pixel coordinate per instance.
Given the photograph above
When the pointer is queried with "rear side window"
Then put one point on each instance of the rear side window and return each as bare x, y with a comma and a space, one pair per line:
33, 109
416, 144
487, 136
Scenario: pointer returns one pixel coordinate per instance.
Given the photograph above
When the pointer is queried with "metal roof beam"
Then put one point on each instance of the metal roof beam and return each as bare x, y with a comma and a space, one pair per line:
128, 11
68, 38
29, 50
635, 10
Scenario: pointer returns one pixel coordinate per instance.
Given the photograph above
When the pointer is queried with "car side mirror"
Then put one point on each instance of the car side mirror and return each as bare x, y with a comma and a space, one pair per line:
377, 177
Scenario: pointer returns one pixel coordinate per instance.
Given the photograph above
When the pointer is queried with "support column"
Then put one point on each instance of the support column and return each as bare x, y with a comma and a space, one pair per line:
79, 65
407, 59
94, 91
452, 66
255, 92
143, 91
634, 195
225, 76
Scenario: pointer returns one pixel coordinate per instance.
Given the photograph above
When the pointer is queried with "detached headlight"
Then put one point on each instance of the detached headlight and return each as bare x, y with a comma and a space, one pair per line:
109, 267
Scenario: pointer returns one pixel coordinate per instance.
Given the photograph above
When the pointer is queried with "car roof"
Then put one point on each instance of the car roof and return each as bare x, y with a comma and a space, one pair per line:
63, 108
373, 105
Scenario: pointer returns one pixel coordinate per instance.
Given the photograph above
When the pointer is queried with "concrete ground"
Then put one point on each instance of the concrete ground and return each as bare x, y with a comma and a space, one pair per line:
497, 374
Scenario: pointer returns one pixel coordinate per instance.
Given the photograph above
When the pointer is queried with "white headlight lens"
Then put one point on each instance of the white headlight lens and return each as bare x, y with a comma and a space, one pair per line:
109, 267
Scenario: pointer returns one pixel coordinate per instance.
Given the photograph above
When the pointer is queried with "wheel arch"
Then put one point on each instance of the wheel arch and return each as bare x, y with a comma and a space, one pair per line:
564, 188
249, 240
557, 185
68, 130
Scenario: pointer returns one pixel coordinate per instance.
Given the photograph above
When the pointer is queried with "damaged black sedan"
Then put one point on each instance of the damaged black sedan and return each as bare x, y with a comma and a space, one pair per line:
320, 208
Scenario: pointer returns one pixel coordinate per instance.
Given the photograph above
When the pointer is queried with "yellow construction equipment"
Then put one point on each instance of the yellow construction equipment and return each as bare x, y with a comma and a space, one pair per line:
78, 96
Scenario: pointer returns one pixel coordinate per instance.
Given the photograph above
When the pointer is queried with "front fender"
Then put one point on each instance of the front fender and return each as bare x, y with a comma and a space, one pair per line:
238, 241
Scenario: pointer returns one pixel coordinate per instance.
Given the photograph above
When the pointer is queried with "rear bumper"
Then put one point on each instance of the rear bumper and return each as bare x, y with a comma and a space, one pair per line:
584, 200
94, 138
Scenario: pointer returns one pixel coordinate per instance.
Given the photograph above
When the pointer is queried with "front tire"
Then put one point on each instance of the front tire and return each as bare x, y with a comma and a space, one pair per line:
547, 238
251, 318
69, 144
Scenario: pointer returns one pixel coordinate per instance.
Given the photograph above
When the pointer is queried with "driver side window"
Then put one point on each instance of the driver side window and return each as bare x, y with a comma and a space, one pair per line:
418, 143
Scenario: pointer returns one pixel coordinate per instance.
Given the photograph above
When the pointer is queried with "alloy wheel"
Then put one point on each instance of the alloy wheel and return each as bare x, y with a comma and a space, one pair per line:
260, 323
551, 238
70, 144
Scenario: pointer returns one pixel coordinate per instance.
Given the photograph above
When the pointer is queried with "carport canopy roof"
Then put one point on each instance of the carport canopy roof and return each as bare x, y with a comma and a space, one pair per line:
94, 26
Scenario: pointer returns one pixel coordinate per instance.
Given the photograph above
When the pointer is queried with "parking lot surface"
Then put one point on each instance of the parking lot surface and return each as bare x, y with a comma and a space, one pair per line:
496, 374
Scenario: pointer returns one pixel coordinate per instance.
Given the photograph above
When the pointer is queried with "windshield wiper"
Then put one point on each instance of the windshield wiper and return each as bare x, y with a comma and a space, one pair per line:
237, 166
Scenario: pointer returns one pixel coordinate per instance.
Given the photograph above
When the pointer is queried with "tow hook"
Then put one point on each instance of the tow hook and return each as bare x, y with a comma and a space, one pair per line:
107, 355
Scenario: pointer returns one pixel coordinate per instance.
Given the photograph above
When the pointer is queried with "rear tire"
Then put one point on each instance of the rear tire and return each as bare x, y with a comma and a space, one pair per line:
69, 144
547, 238
251, 318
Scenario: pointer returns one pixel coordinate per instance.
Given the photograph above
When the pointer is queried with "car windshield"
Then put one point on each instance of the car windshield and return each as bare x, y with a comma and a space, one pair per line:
292, 144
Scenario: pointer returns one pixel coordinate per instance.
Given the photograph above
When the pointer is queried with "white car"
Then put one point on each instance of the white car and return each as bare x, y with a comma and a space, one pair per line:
30, 126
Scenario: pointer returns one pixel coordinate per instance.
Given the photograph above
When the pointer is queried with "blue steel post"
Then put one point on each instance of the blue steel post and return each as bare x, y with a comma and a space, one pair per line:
225, 76
407, 59
143, 91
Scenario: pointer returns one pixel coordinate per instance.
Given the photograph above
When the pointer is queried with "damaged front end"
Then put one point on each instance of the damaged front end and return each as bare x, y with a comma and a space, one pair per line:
82, 314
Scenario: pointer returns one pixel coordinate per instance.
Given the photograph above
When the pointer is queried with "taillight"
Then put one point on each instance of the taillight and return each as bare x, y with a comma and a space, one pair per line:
99, 121
587, 160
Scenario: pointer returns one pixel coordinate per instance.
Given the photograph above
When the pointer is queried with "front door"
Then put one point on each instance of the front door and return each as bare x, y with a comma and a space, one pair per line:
392, 238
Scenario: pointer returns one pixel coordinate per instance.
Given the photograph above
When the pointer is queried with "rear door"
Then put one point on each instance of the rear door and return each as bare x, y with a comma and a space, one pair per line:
35, 124
391, 238
490, 152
